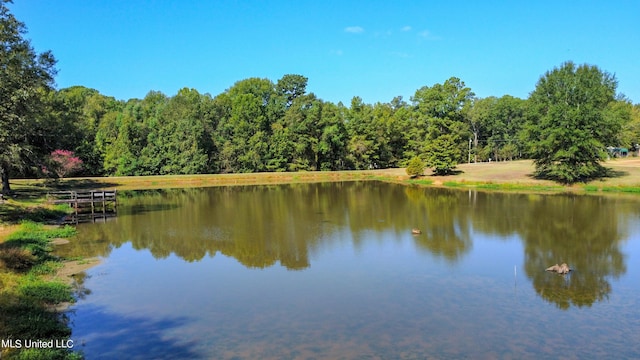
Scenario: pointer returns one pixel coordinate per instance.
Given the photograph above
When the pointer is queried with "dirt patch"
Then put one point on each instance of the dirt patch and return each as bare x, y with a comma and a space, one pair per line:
59, 241
67, 274
6, 230
71, 268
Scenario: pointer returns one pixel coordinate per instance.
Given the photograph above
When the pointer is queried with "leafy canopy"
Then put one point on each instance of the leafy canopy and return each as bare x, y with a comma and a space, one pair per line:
444, 108
24, 78
569, 132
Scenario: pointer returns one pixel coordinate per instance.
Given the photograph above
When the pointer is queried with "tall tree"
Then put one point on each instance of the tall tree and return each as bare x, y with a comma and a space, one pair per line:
362, 146
332, 145
291, 87
568, 132
446, 107
244, 125
25, 76
183, 144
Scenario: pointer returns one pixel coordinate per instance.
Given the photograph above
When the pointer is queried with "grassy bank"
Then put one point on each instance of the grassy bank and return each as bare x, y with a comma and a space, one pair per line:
186, 181
30, 291
517, 176
500, 176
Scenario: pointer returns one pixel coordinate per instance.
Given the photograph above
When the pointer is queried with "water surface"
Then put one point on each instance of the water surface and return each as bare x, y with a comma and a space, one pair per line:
332, 271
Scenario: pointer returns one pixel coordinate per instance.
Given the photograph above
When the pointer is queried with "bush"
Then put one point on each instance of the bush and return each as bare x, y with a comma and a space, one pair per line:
415, 167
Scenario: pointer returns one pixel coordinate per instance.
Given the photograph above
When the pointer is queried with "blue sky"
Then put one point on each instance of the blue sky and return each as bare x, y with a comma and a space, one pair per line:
373, 49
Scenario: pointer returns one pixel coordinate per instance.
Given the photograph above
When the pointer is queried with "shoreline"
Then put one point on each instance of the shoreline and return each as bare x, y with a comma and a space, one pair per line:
493, 176
70, 268
67, 273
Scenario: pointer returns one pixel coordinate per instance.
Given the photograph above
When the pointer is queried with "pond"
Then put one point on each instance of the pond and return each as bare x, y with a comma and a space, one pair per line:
333, 271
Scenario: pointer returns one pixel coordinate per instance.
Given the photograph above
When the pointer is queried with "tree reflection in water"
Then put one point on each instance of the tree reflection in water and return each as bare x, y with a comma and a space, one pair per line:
261, 226
582, 231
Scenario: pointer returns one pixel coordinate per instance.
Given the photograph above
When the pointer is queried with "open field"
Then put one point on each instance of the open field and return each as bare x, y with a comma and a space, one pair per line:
505, 175
626, 173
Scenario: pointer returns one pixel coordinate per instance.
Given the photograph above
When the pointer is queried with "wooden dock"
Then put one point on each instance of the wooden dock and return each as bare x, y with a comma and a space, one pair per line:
98, 203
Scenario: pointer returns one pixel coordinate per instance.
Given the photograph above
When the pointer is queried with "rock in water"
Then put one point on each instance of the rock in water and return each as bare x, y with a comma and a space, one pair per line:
553, 268
564, 269
560, 269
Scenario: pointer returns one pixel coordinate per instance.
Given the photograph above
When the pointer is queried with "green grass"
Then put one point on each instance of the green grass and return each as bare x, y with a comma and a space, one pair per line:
33, 354
35, 238
623, 189
34, 288
420, 182
30, 230
518, 187
489, 186
453, 184
46, 268
15, 211
27, 293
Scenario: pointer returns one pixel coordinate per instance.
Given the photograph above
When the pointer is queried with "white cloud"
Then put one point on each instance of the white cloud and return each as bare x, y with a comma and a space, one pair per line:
354, 29
406, 28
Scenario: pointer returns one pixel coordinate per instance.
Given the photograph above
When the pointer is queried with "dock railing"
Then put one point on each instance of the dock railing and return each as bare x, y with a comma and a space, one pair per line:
100, 201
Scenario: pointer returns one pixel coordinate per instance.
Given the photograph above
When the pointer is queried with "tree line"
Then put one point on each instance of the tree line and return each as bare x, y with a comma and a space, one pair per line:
258, 125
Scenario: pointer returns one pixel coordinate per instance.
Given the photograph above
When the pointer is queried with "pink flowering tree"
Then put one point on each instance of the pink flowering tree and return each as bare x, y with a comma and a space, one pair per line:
64, 162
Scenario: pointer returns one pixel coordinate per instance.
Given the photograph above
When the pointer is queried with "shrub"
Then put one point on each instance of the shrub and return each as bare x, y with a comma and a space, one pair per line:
64, 162
415, 167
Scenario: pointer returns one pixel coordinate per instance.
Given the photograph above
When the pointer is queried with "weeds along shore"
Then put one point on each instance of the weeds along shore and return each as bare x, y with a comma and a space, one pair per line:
32, 294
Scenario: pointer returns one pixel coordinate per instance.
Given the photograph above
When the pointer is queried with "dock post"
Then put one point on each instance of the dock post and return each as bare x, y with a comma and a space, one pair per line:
74, 197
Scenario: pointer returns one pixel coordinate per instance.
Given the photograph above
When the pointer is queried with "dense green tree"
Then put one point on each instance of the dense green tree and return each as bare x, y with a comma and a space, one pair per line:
77, 114
569, 132
302, 119
245, 125
631, 130
25, 78
388, 133
122, 156
182, 143
495, 125
445, 106
398, 128
362, 148
332, 144
622, 110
